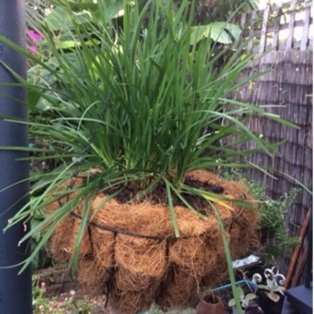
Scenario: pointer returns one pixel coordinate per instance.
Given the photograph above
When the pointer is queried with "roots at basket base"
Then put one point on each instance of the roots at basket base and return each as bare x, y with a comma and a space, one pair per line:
156, 267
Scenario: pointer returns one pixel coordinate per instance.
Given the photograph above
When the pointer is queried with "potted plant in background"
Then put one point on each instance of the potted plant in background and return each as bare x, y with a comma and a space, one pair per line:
271, 295
262, 298
130, 104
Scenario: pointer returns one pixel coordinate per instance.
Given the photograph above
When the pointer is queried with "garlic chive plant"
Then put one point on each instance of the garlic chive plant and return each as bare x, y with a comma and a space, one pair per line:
130, 92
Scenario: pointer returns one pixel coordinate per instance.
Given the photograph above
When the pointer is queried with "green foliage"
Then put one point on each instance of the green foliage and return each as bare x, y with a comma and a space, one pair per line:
42, 304
221, 32
244, 298
209, 11
235, 290
273, 216
134, 96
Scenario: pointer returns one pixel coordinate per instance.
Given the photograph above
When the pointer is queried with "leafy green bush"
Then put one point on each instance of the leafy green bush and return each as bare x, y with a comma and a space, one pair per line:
274, 213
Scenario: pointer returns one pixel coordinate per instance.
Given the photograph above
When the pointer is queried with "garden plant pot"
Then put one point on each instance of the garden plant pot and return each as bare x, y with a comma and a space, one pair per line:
268, 305
210, 304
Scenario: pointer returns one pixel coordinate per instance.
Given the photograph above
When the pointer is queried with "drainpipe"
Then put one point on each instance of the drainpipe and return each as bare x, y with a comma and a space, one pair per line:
15, 290
308, 282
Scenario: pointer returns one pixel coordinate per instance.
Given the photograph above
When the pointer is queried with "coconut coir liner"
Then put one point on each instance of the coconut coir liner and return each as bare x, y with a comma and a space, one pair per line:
142, 260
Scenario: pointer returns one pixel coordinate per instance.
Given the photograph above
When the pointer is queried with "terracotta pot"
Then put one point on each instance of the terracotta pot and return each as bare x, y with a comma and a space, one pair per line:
210, 304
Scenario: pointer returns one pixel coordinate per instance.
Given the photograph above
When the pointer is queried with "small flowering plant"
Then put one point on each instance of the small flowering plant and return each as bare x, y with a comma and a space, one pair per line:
40, 303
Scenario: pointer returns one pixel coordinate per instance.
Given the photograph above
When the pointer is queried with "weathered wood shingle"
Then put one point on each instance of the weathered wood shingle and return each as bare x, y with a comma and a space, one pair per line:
289, 85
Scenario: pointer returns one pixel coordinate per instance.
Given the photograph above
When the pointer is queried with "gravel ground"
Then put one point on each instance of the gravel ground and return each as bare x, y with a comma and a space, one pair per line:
73, 302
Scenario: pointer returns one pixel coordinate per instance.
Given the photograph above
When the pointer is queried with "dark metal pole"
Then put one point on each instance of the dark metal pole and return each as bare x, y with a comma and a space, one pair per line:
15, 290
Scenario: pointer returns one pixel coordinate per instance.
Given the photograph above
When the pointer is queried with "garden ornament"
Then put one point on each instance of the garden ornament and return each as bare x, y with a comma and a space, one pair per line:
274, 283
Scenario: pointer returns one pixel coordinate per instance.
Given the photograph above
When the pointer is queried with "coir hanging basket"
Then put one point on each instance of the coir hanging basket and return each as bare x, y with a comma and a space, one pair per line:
129, 250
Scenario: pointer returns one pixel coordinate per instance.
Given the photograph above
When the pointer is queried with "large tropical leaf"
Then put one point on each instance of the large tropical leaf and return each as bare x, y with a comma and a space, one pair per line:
222, 32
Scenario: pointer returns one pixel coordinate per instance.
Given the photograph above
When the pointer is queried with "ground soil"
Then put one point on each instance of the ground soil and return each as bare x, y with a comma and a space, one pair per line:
65, 303
71, 303
159, 194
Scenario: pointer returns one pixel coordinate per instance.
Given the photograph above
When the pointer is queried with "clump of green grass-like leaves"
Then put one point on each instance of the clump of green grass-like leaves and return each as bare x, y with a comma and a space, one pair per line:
133, 93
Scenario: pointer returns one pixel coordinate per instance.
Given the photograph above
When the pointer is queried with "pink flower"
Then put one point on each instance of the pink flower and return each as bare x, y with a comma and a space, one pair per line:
33, 37
43, 286
32, 49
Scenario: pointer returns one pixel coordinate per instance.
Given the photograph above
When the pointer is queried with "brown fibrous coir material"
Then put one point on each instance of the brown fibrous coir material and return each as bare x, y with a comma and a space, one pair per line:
134, 246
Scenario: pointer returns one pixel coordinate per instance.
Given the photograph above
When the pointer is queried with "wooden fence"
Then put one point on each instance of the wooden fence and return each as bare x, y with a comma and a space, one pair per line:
285, 27
286, 33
